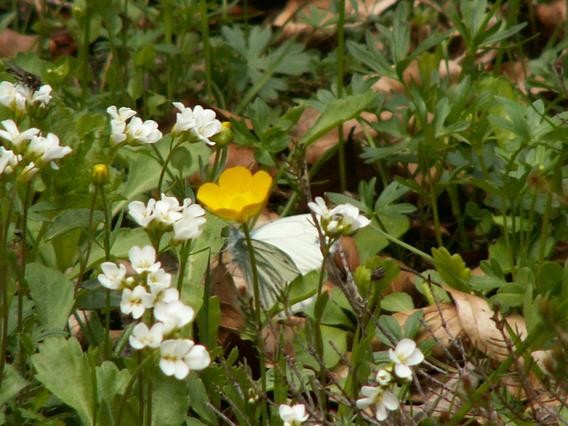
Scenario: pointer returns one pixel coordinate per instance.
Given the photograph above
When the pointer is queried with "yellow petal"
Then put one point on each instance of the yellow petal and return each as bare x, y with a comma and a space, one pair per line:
261, 184
210, 195
235, 179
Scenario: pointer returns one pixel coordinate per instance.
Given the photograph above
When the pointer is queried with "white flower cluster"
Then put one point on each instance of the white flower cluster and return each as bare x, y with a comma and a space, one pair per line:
382, 397
200, 122
293, 415
151, 288
343, 219
126, 128
19, 97
28, 149
186, 219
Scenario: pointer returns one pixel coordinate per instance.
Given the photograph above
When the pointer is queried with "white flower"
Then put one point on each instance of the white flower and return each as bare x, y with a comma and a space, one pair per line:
117, 131
14, 136
122, 114
382, 400
145, 132
47, 148
383, 377
134, 301
8, 160
159, 280
143, 259
14, 96
343, 219
319, 207
174, 314
42, 95
167, 210
189, 226
405, 355
142, 213
142, 336
351, 220
167, 295
112, 276
178, 357
293, 415
199, 121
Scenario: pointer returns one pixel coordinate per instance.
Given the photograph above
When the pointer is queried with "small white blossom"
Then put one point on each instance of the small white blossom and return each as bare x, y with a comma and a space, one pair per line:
159, 280
142, 336
145, 132
122, 114
174, 314
47, 149
134, 301
29, 171
143, 214
143, 259
319, 208
178, 357
343, 219
112, 276
199, 121
405, 355
14, 96
117, 131
293, 415
189, 226
381, 400
14, 136
167, 295
42, 95
167, 210
8, 160
383, 377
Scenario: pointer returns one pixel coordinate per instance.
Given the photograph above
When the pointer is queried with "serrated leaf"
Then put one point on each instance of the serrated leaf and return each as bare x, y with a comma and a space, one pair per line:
73, 219
452, 268
337, 112
12, 383
52, 294
64, 370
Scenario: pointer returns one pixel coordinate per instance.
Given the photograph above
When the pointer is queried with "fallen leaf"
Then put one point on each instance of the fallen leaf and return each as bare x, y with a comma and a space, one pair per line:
12, 43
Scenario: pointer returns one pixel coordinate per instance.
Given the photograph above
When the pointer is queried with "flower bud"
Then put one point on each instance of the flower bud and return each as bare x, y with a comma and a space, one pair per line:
100, 174
225, 135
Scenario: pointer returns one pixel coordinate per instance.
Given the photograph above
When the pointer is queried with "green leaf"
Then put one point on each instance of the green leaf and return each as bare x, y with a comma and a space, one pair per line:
397, 302
12, 383
198, 398
52, 294
64, 370
334, 345
73, 219
337, 112
170, 400
451, 268
111, 383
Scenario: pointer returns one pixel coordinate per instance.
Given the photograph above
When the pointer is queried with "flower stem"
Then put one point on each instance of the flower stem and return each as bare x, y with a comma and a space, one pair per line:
85, 259
183, 257
340, 74
206, 48
403, 244
106, 244
258, 319
127, 390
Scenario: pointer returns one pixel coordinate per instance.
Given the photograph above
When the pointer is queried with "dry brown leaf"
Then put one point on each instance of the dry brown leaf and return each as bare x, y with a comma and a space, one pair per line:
330, 139
290, 19
279, 336
552, 15
12, 43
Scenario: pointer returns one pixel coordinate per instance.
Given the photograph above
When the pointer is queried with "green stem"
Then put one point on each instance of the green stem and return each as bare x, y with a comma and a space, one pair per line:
128, 389
183, 258
258, 320
149, 389
340, 76
85, 259
544, 229
206, 47
22, 288
403, 244
318, 311
5, 215
106, 244
435, 213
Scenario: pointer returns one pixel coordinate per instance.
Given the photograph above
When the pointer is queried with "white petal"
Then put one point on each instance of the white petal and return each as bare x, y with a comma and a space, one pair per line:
198, 358
381, 413
390, 401
402, 371
415, 358
405, 347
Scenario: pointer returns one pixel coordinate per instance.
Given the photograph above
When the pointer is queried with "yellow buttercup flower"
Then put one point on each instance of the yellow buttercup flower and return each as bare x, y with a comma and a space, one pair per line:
238, 196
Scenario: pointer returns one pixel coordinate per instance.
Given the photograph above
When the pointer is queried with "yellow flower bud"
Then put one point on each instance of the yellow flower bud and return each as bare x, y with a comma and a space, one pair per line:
100, 174
225, 135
